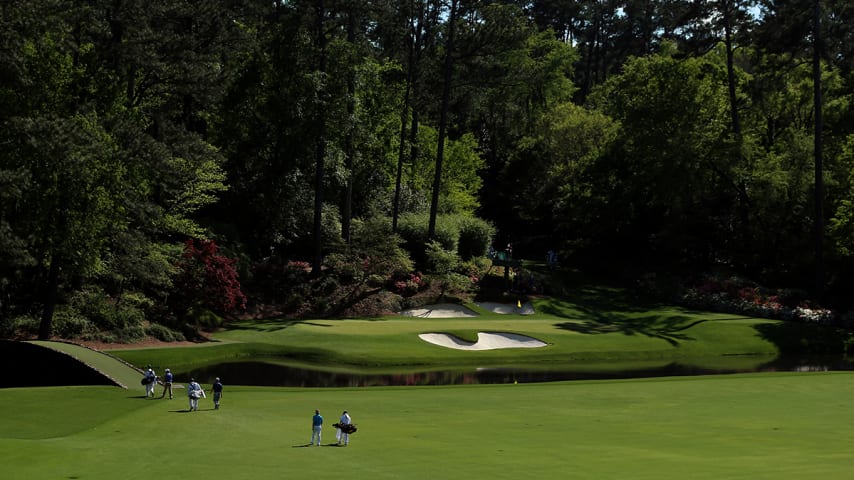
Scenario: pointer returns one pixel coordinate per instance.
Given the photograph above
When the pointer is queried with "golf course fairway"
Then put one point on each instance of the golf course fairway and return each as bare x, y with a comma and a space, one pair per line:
747, 426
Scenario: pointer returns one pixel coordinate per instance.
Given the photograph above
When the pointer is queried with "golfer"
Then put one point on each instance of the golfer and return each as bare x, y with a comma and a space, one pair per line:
167, 384
343, 436
217, 390
316, 426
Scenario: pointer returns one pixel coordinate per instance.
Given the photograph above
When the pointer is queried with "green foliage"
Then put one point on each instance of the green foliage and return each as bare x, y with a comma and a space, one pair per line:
107, 313
127, 127
203, 318
667, 166
841, 223
475, 237
69, 323
164, 334
464, 235
461, 180
374, 255
439, 260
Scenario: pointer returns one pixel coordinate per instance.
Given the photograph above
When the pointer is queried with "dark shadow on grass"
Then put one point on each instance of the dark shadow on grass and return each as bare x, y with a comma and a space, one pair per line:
805, 339
670, 329
275, 325
263, 325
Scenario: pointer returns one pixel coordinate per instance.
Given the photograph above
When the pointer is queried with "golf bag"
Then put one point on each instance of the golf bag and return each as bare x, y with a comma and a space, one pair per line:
347, 428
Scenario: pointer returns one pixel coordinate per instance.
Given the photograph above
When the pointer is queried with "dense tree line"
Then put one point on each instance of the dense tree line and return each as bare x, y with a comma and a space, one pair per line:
290, 139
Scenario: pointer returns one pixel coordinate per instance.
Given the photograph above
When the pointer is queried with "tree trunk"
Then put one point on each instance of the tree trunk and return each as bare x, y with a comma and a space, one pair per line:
819, 178
443, 120
320, 143
404, 118
743, 208
349, 150
46, 324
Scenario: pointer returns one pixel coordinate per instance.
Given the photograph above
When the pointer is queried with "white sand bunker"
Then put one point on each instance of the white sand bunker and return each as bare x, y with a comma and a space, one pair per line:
442, 310
508, 308
485, 341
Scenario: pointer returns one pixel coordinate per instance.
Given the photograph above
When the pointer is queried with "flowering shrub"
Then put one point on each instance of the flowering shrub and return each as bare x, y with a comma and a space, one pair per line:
299, 266
207, 279
408, 284
736, 295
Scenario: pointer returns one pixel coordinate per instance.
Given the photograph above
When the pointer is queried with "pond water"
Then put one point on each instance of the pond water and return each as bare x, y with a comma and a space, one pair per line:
270, 374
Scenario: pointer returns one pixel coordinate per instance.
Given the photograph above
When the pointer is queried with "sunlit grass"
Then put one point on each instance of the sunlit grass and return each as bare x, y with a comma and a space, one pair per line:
757, 426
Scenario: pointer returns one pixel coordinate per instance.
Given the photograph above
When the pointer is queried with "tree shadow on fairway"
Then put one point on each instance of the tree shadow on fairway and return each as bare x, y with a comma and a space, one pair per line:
275, 325
669, 328
263, 325
588, 298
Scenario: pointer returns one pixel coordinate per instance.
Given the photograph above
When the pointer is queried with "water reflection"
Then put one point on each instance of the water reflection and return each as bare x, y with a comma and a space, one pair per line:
269, 374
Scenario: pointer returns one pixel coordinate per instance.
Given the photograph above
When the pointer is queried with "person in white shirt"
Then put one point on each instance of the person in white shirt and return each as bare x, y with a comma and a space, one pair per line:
151, 382
342, 435
194, 392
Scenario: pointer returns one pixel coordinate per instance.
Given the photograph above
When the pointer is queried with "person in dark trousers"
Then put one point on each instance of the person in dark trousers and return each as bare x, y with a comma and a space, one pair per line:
167, 384
316, 427
217, 391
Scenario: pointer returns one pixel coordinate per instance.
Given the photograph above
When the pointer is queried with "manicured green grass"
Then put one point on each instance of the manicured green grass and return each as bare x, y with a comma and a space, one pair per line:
659, 334
755, 426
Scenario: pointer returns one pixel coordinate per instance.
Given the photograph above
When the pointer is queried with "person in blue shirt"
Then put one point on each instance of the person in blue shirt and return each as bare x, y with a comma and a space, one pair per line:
217, 391
167, 384
316, 426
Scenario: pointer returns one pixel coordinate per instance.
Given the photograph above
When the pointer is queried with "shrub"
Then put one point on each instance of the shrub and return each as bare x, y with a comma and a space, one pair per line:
407, 284
207, 279
440, 260
413, 229
475, 237
204, 318
740, 296
163, 333
68, 323
93, 303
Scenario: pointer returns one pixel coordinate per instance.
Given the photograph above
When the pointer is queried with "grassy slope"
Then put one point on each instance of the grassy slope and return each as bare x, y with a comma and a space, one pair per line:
123, 374
761, 426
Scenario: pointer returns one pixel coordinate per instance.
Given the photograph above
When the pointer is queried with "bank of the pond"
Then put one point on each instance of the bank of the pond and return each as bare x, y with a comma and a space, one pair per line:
281, 375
